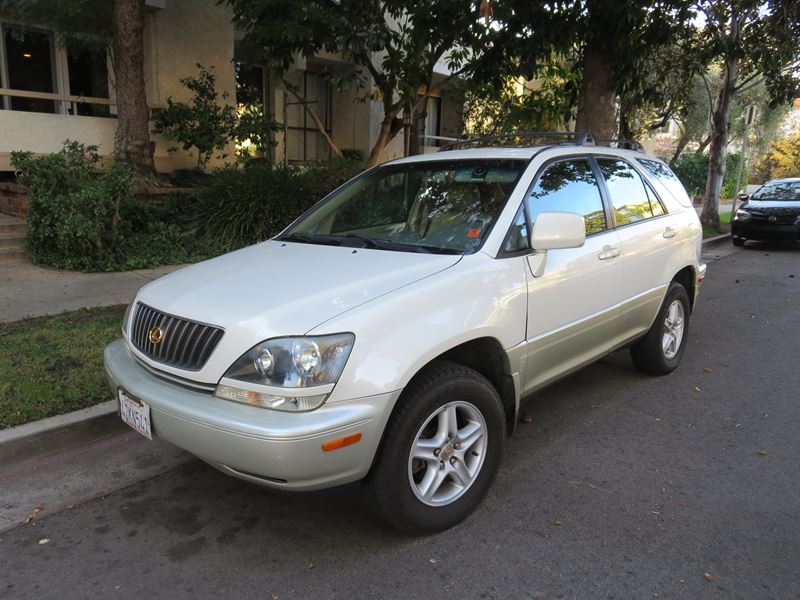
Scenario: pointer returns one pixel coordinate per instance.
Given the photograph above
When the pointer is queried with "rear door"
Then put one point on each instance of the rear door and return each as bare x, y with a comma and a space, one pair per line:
573, 303
648, 235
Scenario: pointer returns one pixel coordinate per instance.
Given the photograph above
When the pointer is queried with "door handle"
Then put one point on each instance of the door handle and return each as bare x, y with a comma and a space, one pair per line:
608, 252
670, 232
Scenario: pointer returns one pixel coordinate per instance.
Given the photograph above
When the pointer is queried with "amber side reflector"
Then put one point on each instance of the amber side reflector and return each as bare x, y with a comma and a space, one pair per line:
341, 442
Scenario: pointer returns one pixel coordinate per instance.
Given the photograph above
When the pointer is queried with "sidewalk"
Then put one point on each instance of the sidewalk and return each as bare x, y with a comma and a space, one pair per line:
28, 291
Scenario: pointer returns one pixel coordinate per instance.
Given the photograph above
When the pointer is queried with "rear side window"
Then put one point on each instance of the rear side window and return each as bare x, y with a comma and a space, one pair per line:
627, 190
668, 179
569, 186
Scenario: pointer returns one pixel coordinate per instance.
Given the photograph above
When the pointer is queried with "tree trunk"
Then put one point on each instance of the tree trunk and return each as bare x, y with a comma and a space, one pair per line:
384, 137
701, 147
682, 142
132, 143
720, 126
596, 99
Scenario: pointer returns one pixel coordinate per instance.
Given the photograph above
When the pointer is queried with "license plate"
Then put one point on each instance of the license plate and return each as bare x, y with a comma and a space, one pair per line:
135, 413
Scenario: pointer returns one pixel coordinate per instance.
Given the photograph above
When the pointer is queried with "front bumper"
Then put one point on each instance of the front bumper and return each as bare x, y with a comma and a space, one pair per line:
272, 448
762, 230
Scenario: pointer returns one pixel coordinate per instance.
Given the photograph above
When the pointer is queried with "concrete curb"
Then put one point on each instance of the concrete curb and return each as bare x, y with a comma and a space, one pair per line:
717, 238
51, 424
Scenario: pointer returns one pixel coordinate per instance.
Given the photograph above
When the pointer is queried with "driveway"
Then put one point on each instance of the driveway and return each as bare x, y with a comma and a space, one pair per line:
621, 486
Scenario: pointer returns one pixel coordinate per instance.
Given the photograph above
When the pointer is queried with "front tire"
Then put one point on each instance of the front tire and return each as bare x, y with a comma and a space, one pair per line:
441, 449
660, 351
738, 241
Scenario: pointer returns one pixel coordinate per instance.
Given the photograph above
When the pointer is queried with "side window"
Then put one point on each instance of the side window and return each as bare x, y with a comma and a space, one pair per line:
569, 186
627, 191
517, 238
668, 179
655, 203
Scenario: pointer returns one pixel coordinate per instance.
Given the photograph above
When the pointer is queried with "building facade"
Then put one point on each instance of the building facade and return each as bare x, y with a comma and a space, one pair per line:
50, 93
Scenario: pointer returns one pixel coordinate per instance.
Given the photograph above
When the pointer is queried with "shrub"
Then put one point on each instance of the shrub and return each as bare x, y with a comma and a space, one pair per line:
82, 218
208, 125
243, 206
74, 210
692, 170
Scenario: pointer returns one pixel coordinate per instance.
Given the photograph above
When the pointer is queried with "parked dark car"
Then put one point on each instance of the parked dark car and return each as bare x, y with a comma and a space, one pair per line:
771, 213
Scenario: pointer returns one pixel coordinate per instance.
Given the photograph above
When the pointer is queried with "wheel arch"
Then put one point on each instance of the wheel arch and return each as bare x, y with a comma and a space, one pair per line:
687, 277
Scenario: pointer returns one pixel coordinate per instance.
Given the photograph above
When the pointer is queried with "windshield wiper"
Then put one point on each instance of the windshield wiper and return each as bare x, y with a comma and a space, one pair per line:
305, 238
385, 244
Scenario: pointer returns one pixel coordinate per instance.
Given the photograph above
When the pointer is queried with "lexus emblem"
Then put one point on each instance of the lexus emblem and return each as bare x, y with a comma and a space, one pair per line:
773, 219
155, 335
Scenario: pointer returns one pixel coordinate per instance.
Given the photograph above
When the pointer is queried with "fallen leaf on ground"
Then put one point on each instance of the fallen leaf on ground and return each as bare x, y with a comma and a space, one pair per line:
595, 406
697, 389
434, 561
708, 577
791, 275
761, 453
706, 370
39, 508
526, 419
557, 522
44, 541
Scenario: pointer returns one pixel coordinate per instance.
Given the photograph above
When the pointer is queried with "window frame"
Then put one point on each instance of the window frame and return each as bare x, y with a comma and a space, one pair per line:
59, 65
305, 129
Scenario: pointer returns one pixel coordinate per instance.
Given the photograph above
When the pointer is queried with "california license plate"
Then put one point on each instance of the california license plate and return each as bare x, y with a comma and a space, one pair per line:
135, 413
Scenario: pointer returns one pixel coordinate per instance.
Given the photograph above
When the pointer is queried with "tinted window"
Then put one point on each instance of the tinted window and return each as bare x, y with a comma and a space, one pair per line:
778, 190
655, 203
627, 191
668, 179
569, 186
517, 238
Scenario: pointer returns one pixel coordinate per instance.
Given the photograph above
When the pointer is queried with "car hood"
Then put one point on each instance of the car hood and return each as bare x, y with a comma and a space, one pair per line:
281, 288
775, 208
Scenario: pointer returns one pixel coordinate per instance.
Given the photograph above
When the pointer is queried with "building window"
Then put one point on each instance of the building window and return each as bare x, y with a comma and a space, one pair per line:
30, 61
29, 66
88, 76
250, 85
303, 140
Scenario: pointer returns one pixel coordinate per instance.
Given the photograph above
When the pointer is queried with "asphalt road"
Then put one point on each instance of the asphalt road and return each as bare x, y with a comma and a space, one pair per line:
621, 486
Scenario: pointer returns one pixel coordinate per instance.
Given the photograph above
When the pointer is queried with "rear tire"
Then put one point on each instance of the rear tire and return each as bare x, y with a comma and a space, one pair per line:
440, 451
660, 351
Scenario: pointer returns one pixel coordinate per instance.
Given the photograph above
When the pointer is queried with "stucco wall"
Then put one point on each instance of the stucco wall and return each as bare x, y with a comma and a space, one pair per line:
185, 33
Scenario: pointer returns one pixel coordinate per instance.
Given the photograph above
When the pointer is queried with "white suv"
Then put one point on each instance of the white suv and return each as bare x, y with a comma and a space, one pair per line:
389, 334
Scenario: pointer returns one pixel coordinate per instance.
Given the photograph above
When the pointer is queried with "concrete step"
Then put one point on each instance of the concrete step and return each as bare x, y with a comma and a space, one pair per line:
14, 241
8, 255
13, 228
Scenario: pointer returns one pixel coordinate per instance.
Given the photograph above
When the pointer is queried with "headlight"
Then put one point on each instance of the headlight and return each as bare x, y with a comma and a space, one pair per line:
290, 374
742, 215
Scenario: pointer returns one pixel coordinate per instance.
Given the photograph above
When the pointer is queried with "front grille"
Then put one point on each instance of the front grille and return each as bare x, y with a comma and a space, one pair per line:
779, 220
184, 344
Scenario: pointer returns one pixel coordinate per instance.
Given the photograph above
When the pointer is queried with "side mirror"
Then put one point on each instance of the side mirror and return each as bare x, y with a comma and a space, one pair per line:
554, 230
744, 197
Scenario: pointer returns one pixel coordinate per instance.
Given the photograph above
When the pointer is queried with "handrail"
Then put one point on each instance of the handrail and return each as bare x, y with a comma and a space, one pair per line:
57, 97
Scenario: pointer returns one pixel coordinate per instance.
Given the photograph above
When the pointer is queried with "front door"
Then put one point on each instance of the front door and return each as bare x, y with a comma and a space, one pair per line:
574, 302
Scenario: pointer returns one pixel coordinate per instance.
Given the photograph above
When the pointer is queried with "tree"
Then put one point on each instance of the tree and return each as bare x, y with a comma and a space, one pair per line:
751, 42
611, 44
395, 44
782, 160
103, 26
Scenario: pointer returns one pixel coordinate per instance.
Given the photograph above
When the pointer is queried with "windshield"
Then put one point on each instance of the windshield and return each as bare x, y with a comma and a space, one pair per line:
778, 190
440, 206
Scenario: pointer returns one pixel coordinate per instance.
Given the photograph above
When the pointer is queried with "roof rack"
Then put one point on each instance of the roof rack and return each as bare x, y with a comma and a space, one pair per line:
569, 137
622, 143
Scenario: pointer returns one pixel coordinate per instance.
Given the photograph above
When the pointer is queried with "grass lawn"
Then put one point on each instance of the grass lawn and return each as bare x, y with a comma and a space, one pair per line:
53, 365
724, 220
